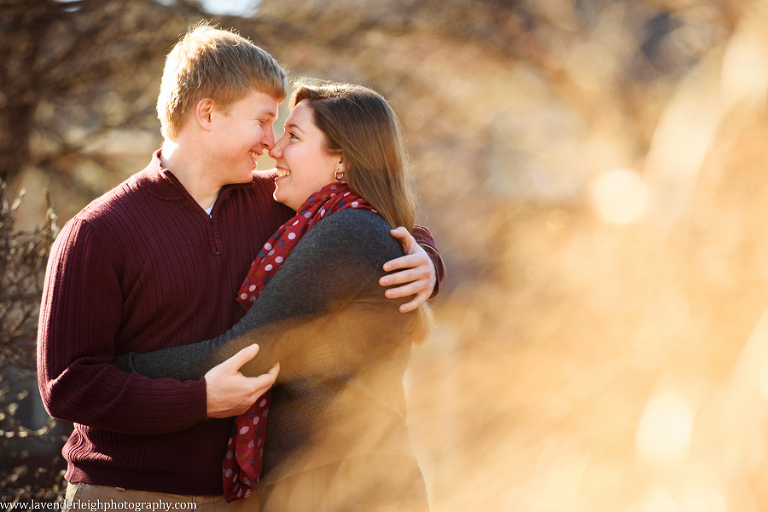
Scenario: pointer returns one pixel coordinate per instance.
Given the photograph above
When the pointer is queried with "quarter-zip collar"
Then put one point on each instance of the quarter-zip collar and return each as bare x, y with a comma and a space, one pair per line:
162, 183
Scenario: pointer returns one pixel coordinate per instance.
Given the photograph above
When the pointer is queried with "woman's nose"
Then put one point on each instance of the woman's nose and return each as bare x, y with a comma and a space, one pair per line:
276, 151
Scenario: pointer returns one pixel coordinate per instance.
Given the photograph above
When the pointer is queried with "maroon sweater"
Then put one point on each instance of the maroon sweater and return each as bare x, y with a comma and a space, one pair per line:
139, 269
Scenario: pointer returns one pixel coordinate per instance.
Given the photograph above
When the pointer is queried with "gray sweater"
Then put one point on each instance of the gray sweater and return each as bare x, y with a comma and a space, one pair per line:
342, 346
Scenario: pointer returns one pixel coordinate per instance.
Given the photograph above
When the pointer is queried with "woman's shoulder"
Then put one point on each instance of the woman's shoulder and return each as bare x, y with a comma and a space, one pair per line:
357, 219
357, 230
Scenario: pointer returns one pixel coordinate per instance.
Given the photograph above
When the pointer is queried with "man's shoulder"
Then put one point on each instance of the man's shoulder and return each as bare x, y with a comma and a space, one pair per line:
120, 198
265, 180
122, 217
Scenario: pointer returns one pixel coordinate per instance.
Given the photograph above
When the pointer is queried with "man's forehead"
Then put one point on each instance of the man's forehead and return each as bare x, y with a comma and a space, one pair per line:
262, 103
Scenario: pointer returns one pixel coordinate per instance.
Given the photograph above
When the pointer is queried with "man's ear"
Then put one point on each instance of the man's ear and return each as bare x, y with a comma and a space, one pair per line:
203, 113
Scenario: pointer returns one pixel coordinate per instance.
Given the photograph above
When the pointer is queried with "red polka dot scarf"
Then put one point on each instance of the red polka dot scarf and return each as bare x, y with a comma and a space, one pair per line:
242, 464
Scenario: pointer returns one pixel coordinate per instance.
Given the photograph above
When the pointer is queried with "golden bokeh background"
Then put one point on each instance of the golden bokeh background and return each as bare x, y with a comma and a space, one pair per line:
594, 172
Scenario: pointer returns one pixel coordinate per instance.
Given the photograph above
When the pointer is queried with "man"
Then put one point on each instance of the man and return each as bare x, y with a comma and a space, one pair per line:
157, 262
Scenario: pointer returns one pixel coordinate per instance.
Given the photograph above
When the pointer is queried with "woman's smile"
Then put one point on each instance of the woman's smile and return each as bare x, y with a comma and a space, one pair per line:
300, 155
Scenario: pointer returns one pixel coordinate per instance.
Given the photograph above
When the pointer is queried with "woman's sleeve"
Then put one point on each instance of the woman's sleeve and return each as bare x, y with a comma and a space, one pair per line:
333, 264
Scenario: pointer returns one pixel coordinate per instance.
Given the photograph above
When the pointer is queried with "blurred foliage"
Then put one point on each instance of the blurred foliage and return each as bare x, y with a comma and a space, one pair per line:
27, 469
594, 173
23, 257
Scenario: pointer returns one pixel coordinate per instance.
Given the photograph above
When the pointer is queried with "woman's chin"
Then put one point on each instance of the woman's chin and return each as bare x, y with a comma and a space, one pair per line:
284, 200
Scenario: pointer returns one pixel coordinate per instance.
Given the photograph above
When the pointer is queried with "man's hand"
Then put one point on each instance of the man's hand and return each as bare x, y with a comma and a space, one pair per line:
418, 274
229, 392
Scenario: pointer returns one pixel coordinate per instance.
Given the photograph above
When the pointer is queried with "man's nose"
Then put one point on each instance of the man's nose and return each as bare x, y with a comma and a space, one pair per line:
268, 141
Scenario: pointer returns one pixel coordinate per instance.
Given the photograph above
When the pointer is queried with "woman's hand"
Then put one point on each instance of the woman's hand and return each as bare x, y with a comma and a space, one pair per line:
417, 276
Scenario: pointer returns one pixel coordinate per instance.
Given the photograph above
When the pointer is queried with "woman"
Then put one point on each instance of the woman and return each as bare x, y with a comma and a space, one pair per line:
337, 436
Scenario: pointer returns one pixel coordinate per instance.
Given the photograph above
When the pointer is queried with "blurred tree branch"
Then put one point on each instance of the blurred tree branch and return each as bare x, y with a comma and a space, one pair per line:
25, 25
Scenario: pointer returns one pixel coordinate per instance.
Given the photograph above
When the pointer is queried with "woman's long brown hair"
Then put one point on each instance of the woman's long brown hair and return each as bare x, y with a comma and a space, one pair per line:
360, 126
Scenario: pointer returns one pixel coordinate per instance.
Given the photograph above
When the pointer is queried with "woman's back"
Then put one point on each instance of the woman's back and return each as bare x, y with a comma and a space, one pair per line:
340, 389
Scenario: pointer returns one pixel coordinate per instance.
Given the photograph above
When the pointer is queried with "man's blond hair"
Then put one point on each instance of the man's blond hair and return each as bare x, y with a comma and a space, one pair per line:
218, 64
